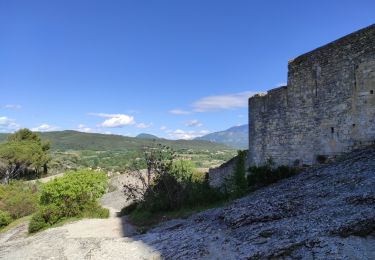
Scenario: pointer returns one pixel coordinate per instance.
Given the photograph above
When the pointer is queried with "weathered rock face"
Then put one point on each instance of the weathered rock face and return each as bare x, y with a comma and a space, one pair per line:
327, 212
327, 107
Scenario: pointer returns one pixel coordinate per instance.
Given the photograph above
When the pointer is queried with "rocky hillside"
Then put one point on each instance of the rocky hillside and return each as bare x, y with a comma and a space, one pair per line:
326, 212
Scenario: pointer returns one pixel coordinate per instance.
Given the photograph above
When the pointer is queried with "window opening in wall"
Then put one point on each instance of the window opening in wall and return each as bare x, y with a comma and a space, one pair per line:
353, 125
332, 130
371, 92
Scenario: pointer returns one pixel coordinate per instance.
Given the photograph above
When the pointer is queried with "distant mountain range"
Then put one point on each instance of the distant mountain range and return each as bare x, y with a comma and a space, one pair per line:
237, 137
234, 137
147, 136
74, 140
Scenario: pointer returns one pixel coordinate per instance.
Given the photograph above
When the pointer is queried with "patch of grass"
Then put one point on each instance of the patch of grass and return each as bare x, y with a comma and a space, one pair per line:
5, 218
14, 224
19, 198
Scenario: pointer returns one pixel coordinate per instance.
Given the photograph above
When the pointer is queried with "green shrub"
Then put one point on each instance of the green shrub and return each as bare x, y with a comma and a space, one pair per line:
267, 174
237, 185
94, 210
74, 190
45, 217
199, 193
73, 195
19, 199
5, 219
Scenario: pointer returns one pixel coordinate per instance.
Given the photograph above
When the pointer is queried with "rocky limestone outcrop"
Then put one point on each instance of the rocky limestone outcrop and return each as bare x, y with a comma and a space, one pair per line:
326, 212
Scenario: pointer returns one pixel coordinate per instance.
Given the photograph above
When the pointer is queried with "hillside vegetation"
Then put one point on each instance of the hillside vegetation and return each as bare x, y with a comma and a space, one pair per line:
74, 140
73, 150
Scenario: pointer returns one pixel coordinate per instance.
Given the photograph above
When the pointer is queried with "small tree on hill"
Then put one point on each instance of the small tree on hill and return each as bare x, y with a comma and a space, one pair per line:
23, 150
156, 163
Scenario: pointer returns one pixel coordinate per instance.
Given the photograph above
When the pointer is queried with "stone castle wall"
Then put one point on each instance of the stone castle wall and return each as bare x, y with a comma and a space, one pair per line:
327, 107
218, 176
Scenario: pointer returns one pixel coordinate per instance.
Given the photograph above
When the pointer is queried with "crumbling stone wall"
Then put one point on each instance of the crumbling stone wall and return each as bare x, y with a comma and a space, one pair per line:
217, 176
327, 107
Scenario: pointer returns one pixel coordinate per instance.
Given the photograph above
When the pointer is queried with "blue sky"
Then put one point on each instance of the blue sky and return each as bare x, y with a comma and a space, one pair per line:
177, 69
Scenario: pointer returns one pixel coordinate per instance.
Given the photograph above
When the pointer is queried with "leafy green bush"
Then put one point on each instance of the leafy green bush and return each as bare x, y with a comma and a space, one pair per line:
19, 199
173, 185
5, 219
237, 185
73, 195
199, 193
45, 217
72, 192
267, 174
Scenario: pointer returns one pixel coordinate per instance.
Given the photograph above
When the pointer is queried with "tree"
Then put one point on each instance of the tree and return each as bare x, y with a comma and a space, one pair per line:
158, 162
23, 150
238, 182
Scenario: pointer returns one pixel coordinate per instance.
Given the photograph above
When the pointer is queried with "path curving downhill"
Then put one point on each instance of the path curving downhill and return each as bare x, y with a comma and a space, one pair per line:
84, 239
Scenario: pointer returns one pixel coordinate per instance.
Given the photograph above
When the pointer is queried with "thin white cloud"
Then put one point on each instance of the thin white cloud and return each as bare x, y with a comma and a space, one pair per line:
143, 125
179, 112
163, 128
8, 125
193, 123
84, 128
13, 106
221, 102
115, 120
187, 135
45, 128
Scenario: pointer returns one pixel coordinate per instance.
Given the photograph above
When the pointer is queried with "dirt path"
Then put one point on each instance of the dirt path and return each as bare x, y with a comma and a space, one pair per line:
85, 239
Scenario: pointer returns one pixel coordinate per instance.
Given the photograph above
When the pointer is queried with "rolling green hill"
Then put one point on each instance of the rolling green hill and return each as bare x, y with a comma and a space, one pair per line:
73, 150
74, 140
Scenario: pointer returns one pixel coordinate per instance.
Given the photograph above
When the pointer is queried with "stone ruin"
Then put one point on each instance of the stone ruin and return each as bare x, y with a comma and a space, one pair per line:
327, 107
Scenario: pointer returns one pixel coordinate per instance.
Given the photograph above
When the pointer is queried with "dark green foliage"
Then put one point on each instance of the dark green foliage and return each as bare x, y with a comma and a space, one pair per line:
5, 219
267, 174
171, 186
73, 195
199, 193
45, 217
237, 185
24, 152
